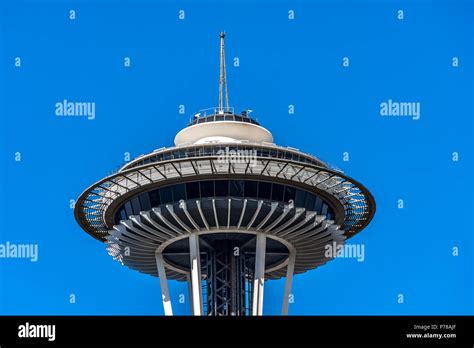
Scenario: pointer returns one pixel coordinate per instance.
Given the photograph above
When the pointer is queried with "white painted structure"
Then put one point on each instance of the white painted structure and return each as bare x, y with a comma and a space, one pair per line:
223, 132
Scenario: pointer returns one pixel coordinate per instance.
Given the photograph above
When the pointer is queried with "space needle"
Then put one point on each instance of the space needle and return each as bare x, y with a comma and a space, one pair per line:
225, 209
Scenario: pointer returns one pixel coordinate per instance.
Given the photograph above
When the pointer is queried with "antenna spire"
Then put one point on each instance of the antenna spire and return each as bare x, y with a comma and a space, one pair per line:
223, 79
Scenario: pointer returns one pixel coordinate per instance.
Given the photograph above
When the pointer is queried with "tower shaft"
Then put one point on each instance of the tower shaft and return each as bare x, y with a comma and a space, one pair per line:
228, 275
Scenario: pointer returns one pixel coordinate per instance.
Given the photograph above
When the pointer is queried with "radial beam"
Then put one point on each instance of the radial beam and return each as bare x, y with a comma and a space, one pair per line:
259, 275
288, 282
195, 274
165, 294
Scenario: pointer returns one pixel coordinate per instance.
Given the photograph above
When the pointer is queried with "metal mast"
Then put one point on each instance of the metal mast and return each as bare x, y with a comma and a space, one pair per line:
223, 79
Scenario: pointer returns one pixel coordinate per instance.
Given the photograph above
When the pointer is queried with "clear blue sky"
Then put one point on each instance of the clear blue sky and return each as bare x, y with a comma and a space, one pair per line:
407, 251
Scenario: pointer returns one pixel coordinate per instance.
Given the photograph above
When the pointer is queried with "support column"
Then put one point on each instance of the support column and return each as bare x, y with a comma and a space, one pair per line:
165, 295
259, 275
195, 273
288, 282
190, 292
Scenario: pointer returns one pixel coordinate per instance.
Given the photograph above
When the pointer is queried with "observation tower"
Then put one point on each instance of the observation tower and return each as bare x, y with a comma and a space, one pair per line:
224, 209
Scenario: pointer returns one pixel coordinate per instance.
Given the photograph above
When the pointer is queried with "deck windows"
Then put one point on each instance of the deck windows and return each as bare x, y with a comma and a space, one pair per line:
236, 188
192, 190
251, 189
166, 195
207, 188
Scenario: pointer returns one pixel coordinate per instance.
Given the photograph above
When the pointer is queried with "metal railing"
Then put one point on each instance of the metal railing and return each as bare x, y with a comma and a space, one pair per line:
221, 114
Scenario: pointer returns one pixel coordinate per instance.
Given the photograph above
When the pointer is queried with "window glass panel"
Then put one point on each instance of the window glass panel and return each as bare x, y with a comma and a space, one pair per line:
128, 209
192, 190
236, 188
324, 210
145, 201
179, 192
166, 195
310, 201
251, 189
290, 193
317, 204
300, 200
278, 192
136, 206
222, 188
207, 188
123, 215
330, 215
154, 198
191, 152
117, 218
264, 190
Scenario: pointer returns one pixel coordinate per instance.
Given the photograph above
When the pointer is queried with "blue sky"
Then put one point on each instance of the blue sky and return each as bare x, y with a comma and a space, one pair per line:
174, 62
